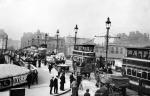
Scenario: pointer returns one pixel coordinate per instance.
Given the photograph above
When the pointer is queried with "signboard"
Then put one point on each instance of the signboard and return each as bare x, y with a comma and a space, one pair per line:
4, 83
19, 79
91, 54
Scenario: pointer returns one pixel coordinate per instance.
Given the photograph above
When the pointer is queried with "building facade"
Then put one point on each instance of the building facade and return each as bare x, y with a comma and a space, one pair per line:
70, 41
114, 51
3, 40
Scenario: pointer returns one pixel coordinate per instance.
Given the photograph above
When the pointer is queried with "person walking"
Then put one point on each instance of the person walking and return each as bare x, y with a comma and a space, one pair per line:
74, 88
62, 81
87, 93
51, 85
71, 79
29, 79
56, 85
50, 67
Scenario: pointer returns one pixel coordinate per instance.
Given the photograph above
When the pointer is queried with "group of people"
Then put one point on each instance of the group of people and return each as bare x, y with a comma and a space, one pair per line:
32, 78
54, 83
76, 83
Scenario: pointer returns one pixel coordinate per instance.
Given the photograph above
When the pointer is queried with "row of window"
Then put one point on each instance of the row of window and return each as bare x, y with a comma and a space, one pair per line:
138, 73
142, 54
136, 63
82, 48
112, 50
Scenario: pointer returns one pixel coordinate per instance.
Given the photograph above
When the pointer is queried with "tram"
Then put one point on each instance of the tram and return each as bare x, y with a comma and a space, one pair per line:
83, 58
136, 66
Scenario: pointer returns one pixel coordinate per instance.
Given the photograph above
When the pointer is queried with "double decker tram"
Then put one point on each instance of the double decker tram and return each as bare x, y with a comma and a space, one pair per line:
83, 58
136, 66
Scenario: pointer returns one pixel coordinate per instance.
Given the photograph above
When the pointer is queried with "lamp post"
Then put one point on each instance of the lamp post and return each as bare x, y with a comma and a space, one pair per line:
32, 40
45, 47
76, 29
38, 40
28, 43
46, 39
108, 24
57, 34
6, 42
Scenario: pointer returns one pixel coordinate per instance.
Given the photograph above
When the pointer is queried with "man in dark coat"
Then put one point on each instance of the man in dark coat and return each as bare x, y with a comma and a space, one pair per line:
56, 85
51, 85
29, 79
62, 81
71, 79
50, 67
79, 79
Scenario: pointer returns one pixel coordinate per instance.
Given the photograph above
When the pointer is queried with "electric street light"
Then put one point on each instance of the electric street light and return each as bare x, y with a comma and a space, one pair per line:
76, 29
46, 39
32, 41
57, 40
38, 37
45, 47
28, 43
108, 24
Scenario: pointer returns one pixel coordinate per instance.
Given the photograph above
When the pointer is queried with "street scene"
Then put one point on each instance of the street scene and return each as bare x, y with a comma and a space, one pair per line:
74, 48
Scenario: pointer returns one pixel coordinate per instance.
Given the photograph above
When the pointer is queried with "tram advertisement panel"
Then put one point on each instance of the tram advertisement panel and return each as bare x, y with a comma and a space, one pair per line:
4, 83
20, 79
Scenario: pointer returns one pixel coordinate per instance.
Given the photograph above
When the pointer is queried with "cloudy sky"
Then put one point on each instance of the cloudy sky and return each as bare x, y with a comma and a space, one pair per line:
18, 16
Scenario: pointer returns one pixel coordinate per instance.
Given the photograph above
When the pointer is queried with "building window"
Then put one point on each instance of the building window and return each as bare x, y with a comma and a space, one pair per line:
112, 49
116, 50
121, 50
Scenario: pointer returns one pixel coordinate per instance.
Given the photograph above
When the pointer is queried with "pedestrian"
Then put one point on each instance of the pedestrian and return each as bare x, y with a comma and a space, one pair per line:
79, 79
87, 93
56, 85
71, 79
50, 67
29, 79
51, 85
74, 88
62, 81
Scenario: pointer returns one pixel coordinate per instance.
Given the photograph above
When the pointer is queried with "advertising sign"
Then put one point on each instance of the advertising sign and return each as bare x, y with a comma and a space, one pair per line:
4, 83
19, 79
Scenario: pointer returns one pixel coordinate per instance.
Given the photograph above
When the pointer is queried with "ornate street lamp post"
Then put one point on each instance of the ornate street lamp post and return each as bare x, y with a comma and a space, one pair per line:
28, 43
46, 39
108, 24
38, 40
76, 29
57, 40
32, 41
6, 42
45, 47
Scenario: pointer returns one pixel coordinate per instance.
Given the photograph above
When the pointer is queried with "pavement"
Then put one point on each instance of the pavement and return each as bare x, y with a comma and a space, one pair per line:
42, 88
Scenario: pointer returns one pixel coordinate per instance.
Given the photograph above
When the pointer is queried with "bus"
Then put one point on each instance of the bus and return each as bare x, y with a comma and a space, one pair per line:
136, 66
83, 58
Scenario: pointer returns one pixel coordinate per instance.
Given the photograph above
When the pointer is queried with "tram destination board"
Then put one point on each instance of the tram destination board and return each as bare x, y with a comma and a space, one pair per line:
91, 54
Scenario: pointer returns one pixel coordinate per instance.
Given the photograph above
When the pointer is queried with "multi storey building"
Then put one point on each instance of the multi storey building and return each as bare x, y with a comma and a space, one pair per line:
3, 40
114, 51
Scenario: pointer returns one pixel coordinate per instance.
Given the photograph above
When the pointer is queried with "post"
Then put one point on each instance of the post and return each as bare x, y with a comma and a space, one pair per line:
45, 47
107, 40
6, 42
76, 29
57, 41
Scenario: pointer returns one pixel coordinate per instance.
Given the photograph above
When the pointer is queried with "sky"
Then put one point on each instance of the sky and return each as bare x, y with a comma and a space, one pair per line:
18, 16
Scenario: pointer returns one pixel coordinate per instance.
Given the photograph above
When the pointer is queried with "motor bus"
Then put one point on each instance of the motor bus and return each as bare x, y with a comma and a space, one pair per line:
136, 66
83, 58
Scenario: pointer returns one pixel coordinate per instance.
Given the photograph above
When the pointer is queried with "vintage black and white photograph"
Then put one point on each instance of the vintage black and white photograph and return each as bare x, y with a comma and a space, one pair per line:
74, 47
